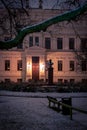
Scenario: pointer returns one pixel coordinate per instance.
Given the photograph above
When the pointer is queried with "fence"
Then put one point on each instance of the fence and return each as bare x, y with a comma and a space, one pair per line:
55, 104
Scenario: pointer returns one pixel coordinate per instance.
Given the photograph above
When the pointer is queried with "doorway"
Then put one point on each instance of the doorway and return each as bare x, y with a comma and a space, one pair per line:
35, 68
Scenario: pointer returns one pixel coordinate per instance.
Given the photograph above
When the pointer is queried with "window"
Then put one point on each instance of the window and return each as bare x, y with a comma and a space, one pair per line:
71, 43
72, 81
59, 43
65, 81
7, 65
7, 80
71, 65
84, 65
47, 43
19, 80
20, 46
60, 81
60, 65
84, 81
37, 41
84, 44
30, 41
19, 65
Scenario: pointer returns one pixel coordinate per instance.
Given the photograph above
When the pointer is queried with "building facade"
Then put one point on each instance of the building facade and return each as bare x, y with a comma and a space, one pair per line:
60, 42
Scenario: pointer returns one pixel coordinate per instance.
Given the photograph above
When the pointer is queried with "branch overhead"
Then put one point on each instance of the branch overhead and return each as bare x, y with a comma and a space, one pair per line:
68, 16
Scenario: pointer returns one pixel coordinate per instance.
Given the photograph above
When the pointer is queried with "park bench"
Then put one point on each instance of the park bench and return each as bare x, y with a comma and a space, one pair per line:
54, 103
65, 107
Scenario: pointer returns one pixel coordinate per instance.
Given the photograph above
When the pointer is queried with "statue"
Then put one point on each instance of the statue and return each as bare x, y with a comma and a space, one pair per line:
50, 72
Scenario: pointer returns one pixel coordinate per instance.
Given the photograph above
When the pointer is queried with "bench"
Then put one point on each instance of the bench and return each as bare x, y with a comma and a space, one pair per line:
57, 105
54, 103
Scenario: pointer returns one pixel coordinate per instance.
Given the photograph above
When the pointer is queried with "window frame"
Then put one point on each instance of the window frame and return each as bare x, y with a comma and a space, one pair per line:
7, 65
60, 65
19, 65
59, 43
83, 65
47, 42
31, 41
83, 44
71, 43
72, 65
37, 41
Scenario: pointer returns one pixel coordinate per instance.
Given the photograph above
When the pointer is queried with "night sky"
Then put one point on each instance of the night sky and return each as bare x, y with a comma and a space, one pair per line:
47, 4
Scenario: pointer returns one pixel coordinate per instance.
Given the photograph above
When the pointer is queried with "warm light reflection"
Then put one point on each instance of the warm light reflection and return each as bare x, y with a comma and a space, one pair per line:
42, 67
28, 66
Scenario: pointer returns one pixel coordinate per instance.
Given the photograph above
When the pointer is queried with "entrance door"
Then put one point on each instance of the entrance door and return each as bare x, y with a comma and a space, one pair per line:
35, 68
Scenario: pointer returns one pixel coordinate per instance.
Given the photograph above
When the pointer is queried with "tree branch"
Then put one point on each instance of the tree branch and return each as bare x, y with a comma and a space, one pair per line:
68, 16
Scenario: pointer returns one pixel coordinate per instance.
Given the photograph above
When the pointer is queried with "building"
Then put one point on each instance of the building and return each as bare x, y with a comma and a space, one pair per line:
60, 43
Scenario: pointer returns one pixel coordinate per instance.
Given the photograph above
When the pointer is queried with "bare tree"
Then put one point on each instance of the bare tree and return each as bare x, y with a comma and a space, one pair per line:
13, 15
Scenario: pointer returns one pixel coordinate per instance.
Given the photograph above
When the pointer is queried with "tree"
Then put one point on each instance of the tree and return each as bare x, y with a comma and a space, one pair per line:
68, 16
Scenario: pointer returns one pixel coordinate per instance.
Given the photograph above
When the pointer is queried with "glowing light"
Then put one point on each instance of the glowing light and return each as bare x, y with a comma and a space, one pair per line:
28, 66
42, 67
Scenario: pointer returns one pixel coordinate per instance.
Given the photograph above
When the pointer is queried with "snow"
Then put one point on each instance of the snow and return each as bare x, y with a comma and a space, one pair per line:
30, 111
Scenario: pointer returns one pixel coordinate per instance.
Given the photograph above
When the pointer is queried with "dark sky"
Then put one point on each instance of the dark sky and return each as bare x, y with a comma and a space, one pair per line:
47, 4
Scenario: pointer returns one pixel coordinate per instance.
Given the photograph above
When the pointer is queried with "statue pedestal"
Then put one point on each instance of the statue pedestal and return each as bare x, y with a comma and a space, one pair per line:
50, 76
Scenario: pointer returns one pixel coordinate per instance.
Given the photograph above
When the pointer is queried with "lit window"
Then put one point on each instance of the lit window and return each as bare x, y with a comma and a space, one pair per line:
30, 41
72, 66
71, 43
47, 43
7, 65
60, 65
19, 65
37, 41
59, 43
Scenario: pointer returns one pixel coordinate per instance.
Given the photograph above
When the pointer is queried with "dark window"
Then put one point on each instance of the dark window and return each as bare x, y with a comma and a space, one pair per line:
7, 80
19, 80
60, 65
84, 44
37, 41
84, 81
19, 65
59, 43
71, 43
7, 65
60, 81
47, 43
20, 46
84, 65
65, 81
30, 41
72, 81
71, 65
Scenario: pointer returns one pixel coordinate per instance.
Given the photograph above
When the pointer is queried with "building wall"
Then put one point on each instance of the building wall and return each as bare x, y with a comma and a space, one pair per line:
64, 30
66, 73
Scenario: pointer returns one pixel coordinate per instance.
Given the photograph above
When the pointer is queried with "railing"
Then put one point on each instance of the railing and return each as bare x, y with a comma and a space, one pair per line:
56, 105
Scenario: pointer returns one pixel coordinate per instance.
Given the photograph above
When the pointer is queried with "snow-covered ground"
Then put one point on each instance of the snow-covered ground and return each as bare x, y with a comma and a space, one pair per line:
30, 111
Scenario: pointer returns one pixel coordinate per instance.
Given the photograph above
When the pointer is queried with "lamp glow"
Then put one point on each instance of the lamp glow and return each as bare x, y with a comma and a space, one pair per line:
42, 67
